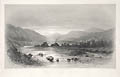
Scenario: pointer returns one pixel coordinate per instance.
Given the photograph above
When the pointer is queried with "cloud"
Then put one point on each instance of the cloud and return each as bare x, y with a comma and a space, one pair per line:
61, 16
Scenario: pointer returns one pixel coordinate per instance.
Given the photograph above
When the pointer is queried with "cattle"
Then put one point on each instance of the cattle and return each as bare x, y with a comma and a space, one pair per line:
86, 55
74, 59
29, 55
50, 58
57, 60
40, 54
68, 60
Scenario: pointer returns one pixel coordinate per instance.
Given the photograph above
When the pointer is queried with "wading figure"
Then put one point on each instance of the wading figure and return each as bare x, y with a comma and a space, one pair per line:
50, 58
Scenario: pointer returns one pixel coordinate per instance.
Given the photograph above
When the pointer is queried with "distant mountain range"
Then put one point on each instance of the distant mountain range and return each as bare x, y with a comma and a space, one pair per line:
94, 30
93, 33
20, 35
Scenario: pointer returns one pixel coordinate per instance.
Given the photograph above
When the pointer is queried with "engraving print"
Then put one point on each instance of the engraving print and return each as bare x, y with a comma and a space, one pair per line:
60, 35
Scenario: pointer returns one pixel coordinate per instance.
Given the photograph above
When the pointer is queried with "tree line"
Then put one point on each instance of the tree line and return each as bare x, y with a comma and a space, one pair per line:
81, 44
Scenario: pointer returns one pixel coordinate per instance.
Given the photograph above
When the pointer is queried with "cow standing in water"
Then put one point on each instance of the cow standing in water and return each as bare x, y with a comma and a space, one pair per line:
41, 54
72, 59
29, 55
50, 58
76, 59
57, 60
68, 60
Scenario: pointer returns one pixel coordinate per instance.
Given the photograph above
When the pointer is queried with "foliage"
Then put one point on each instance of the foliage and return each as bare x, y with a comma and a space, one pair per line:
45, 44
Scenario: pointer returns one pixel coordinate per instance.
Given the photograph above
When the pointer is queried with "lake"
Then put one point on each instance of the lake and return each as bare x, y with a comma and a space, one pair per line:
92, 60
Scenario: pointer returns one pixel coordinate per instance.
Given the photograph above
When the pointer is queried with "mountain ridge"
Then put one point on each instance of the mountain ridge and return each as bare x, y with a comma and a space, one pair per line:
25, 35
84, 35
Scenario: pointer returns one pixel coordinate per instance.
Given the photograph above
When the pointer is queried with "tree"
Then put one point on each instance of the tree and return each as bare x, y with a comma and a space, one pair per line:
55, 44
45, 44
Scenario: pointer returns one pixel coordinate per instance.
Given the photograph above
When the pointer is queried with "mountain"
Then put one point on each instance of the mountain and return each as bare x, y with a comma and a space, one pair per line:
94, 30
97, 34
105, 35
20, 35
72, 35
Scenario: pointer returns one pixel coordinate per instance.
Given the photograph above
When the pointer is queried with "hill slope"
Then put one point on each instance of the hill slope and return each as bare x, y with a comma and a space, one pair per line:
20, 35
76, 36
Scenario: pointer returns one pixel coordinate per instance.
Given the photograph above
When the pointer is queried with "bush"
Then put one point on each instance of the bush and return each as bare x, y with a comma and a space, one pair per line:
20, 58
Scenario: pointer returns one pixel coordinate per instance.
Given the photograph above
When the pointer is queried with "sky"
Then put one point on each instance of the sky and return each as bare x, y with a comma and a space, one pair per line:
60, 18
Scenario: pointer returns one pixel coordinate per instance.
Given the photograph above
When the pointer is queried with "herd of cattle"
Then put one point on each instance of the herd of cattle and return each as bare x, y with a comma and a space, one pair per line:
88, 57
53, 59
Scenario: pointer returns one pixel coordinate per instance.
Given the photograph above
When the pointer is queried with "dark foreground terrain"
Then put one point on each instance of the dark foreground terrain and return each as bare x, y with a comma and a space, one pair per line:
29, 56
